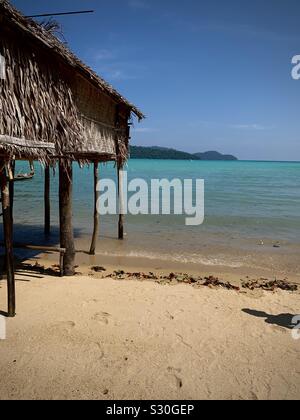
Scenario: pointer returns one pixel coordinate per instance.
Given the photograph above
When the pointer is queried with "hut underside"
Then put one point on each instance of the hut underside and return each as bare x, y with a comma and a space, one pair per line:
66, 249
54, 109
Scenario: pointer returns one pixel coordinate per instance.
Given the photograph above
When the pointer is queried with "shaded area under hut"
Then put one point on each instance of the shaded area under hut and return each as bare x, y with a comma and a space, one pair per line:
56, 110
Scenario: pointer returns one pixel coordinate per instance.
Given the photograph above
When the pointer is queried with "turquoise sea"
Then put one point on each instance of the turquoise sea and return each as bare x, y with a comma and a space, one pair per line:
249, 207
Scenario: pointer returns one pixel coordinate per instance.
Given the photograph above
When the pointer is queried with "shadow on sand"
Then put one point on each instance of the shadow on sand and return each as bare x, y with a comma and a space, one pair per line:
281, 320
31, 235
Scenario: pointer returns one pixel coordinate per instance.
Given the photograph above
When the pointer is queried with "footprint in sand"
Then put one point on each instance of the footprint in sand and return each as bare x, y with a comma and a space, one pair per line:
175, 372
64, 326
90, 302
102, 317
99, 351
170, 316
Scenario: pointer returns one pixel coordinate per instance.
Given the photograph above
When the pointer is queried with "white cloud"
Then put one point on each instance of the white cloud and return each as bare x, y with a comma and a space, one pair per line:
138, 4
104, 55
144, 130
235, 29
215, 124
257, 127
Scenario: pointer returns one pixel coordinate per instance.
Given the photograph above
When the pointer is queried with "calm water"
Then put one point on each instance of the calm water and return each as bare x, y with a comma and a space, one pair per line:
245, 203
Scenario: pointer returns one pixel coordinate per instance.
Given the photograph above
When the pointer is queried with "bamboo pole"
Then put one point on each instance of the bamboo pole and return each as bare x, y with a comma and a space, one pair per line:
8, 240
65, 210
96, 214
47, 200
12, 188
19, 245
121, 203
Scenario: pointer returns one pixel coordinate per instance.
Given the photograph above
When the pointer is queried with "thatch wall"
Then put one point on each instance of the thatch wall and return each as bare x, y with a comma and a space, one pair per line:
51, 104
36, 103
97, 114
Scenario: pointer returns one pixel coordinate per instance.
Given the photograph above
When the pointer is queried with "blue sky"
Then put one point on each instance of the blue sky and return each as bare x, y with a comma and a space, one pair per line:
209, 75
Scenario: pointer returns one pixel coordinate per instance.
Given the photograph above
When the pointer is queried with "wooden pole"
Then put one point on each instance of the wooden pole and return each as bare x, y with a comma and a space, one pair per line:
8, 240
121, 204
120, 183
65, 209
96, 214
12, 188
47, 200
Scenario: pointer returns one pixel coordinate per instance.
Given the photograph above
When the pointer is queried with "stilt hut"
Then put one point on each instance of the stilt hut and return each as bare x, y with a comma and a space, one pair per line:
54, 109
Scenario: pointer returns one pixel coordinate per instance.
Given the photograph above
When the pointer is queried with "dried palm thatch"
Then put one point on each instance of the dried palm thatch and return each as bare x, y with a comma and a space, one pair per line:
35, 105
51, 26
54, 28
42, 36
51, 104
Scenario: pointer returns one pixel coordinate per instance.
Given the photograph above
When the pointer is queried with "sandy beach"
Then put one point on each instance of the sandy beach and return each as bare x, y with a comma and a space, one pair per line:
89, 337
149, 203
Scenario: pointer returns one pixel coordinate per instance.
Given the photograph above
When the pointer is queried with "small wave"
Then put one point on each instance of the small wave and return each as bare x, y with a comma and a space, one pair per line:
180, 258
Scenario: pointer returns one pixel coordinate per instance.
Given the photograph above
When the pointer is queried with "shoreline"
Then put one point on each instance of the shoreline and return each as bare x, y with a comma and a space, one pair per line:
84, 261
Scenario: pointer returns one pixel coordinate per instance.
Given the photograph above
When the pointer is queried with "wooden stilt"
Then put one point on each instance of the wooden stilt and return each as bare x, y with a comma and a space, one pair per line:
47, 200
12, 188
65, 209
8, 240
96, 214
121, 204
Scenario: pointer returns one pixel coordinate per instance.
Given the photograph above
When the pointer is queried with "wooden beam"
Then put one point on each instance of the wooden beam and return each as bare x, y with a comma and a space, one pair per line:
47, 200
8, 240
13, 141
65, 210
37, 247
96, 214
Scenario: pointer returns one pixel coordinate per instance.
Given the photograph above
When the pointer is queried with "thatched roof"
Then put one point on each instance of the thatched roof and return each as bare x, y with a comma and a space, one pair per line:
49, 41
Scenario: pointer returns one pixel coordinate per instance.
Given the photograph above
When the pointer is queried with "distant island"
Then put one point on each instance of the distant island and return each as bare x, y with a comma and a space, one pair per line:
138, 152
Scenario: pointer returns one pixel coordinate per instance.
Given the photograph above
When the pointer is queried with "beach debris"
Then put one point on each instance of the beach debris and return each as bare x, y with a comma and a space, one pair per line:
270, 285
174, 278
215, 282
119, 275
98, 269
210, 281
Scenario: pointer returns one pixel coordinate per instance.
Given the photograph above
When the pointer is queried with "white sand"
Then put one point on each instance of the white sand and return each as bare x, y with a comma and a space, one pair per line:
102, 339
